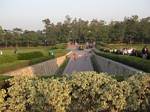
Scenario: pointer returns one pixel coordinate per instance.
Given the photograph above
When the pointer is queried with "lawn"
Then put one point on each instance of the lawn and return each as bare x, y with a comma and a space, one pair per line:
28, 56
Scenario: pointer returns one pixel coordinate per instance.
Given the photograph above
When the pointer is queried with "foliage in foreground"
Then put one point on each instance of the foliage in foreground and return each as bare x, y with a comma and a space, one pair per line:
81, 92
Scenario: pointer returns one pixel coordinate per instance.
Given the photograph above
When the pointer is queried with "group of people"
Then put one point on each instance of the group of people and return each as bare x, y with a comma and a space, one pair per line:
144, 53
128, 51
133, 52
90, 44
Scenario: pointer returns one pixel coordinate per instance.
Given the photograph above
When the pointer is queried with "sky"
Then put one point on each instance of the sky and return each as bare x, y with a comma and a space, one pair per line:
28, 14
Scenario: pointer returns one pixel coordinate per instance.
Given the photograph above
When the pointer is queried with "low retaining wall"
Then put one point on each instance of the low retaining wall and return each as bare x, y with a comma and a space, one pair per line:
45, 68
112, 67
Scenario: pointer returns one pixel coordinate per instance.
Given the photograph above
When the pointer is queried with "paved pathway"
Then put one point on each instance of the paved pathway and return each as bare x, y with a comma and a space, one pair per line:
83, 63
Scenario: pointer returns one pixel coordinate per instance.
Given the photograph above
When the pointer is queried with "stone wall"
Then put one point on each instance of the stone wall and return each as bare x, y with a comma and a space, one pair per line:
45, 68
112, 67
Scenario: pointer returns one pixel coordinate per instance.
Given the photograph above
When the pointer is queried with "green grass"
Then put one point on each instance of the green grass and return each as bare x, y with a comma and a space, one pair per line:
7, 59
136, 62
10, 51
13, 66
28, 56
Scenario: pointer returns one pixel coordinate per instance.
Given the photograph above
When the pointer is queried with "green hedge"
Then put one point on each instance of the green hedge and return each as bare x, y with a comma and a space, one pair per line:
29, 55
135, 62
80, 92
38, 60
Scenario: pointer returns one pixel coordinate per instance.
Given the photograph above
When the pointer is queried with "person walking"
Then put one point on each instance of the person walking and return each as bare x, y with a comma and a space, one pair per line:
74, 56
145, 52
1, 52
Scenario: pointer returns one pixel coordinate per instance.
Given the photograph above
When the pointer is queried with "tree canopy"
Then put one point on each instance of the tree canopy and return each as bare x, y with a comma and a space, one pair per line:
130, 30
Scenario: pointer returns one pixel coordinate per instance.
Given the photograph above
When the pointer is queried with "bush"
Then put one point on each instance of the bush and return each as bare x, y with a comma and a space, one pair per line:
37, 95
93, 92
29, 55
139, 98
81, 92
7, 59
135, 62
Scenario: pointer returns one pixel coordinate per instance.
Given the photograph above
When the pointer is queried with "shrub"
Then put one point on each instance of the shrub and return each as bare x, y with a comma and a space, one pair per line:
93, 92
139, 98
2, 97
38, 60
29, 55
80, 92
37, 95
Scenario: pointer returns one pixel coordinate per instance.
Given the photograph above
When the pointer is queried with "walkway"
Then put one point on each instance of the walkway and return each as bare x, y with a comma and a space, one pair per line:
83, 63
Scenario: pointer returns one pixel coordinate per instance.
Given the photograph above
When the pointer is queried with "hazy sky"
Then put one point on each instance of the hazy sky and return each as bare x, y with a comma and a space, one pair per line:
28, 14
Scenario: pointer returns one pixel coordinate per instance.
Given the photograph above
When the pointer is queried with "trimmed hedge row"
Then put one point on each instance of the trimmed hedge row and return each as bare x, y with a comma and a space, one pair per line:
135, 62
7, 59
81, 92
29, 55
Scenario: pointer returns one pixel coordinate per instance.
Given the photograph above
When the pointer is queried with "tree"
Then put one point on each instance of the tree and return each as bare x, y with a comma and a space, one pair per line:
17, 35
131, 31
1, 36
116, 31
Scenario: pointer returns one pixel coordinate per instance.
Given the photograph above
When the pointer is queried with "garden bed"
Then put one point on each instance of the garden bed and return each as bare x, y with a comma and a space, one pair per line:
136, 62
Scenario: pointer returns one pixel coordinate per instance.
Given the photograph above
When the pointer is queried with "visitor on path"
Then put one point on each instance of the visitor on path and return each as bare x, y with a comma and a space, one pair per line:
15, 50
76, 45
87, 45
94, 44
51, 53
145, 52
1, 52
74, 56
86, 55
